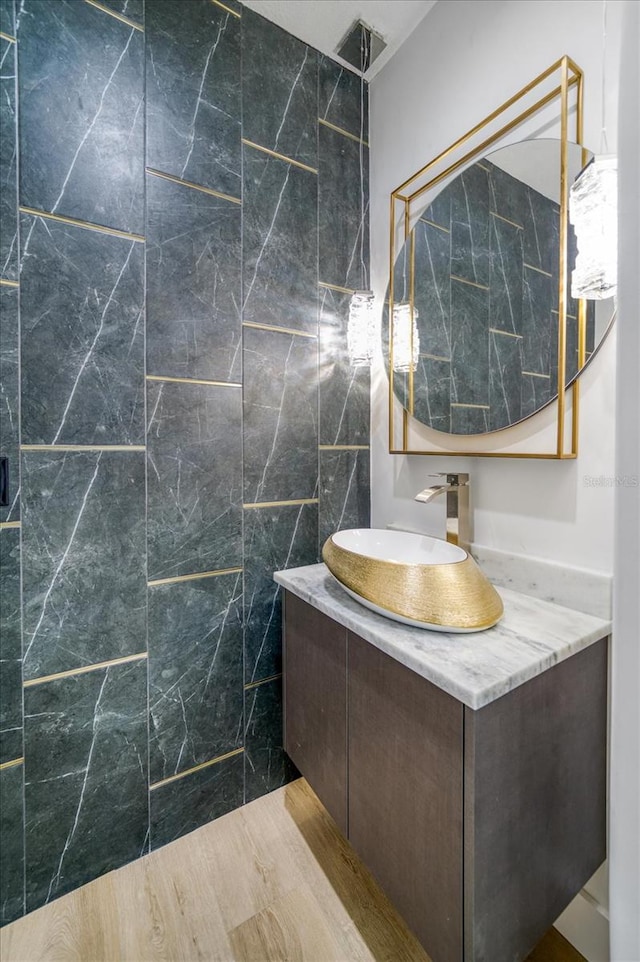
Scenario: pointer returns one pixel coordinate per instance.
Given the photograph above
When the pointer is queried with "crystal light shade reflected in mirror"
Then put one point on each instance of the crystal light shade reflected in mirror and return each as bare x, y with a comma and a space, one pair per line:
406, 339
484, 280
593, 212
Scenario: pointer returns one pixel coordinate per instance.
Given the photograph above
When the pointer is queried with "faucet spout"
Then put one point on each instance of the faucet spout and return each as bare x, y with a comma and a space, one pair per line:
430, 493
458, 518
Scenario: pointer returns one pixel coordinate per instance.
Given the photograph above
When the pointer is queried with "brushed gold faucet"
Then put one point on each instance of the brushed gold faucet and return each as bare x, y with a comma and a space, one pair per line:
458, 519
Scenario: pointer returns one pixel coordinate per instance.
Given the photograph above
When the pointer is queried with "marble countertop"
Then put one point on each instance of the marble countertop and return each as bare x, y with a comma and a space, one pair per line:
475, 668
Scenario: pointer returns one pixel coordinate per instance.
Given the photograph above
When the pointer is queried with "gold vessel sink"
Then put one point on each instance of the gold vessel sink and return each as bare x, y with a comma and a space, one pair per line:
413, 578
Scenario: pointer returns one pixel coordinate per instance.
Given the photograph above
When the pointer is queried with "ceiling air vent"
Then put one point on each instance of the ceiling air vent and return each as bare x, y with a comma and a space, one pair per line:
361, 46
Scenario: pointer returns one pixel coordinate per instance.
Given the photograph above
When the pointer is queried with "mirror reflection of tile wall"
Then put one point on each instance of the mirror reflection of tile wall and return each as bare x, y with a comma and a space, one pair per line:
486, 293
193, 213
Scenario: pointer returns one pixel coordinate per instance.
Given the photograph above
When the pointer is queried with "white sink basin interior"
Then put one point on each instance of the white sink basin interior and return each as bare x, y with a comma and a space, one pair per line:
401, 547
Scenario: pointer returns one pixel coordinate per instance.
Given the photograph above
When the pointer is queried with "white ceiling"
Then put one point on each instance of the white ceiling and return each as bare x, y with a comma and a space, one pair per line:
324, 23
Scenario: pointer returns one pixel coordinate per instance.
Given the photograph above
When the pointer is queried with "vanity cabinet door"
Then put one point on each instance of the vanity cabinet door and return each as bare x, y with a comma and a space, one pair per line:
406, 793
315, 703
536, 777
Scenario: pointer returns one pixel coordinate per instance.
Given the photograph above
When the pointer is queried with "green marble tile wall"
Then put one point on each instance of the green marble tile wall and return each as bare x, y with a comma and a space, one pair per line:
184, 213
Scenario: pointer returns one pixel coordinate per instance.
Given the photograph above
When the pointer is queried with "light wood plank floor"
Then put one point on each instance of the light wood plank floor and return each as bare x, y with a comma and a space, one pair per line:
271, 882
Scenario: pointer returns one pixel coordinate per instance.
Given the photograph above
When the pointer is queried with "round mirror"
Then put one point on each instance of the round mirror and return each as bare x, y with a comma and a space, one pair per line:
481, 269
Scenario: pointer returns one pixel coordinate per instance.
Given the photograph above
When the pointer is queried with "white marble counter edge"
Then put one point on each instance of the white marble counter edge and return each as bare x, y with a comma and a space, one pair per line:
519, 659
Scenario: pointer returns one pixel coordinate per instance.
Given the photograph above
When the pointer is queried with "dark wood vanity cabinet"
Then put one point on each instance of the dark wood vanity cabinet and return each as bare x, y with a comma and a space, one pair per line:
480, 825
405, 793
315, 703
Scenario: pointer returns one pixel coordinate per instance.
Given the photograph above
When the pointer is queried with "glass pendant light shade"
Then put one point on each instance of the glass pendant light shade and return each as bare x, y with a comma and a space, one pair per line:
406, 340
361, 329
593, 211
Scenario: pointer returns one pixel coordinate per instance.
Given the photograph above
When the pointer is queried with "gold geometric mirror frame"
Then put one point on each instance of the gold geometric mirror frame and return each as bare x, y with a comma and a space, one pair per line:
561, 83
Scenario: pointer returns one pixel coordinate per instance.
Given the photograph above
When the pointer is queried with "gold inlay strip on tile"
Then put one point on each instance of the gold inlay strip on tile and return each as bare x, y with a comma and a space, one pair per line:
343, 447
85, 225
535, 374
194, 577
12, 763
459, 404
196, 768
85, 669
263, 681
6, 525
463, 280
506, 220
274, 153
192, 186
279, 504
234, 13
115, 15
538, 270
341, 130
432, 223
494, 330
5, 36
191, 380
335, 287
279, 330
82, 447
6, 283
436, 357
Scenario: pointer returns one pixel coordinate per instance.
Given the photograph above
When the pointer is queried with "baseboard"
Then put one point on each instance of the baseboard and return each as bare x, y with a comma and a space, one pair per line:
585, 924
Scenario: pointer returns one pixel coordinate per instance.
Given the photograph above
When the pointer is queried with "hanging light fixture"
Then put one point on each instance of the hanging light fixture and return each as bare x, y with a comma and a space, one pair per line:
593, 211
361, 329
406, 340
361, 326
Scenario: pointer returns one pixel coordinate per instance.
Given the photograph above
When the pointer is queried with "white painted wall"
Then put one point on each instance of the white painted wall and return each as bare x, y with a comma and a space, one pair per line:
463, 60
625, 719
